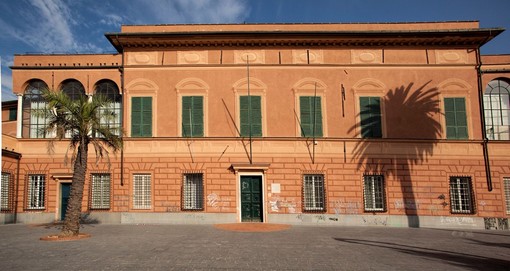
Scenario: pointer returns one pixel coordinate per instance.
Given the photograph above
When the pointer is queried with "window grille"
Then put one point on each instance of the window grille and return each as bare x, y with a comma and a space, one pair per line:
314, 193
100, 198
496, 102
6, 189
193, 191
374, 193
461, 197
36, 192
506, 184
142, 191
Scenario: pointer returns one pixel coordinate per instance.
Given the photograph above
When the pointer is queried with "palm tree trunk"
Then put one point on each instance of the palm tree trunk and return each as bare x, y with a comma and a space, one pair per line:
73, 213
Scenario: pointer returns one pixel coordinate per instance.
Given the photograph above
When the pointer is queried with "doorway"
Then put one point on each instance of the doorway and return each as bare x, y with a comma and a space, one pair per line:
65, 191
251, 199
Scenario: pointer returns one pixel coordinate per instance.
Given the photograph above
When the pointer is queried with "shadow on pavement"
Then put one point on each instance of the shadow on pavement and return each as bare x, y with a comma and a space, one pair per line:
462, 260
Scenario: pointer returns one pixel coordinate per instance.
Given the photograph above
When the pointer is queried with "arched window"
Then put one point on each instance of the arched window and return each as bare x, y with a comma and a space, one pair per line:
110, 116
34, 110
496, 104
73, 88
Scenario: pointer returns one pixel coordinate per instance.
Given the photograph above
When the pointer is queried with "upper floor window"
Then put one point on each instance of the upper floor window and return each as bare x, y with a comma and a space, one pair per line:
456, 120
310, 116
35, 112
370, 117
141, 116
496, 103
192, 116
110, 115
250, 116
73, 89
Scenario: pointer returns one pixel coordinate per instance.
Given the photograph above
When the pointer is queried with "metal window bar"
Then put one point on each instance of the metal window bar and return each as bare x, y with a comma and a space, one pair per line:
142, 191
36, 191
374, 193
460, 195
193, 191
5, 187
100, 191
313, 193
506, 184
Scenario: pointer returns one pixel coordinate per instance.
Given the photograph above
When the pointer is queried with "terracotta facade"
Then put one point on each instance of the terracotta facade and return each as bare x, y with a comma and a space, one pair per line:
412, 70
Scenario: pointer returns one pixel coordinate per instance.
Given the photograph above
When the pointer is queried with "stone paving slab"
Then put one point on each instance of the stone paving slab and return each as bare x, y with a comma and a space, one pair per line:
205, 247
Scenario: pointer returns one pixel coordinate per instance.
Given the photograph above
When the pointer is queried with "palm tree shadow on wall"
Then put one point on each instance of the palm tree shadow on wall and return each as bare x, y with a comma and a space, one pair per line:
409, 115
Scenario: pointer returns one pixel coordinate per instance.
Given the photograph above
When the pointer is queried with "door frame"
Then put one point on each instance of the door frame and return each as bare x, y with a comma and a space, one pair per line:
60, 179
238, 193
60, 211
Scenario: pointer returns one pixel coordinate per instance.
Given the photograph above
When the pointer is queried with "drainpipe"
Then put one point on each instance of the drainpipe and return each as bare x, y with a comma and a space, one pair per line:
121, 69
482, 121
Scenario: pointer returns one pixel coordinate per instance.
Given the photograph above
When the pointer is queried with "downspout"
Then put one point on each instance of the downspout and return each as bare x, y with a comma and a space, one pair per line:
482, 121
121, 69
17, 190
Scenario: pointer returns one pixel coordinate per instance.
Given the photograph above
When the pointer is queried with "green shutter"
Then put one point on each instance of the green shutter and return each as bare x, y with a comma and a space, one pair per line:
308, 121
253, 116
370, 117
455, 116
192, 116
141, 116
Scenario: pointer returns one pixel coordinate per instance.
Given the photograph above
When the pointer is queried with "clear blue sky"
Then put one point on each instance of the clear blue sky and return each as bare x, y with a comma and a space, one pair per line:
77, 26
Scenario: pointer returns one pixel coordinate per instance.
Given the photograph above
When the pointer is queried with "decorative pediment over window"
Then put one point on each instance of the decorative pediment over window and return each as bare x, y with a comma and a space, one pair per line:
141, 85
309, 85
191, 85
255, 85
369, 85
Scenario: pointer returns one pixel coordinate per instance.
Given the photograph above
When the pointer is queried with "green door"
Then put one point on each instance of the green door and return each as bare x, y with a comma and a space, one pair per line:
65, 189
251, 198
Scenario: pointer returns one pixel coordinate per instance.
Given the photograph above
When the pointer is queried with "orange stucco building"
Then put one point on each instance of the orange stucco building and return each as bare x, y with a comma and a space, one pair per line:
397, 124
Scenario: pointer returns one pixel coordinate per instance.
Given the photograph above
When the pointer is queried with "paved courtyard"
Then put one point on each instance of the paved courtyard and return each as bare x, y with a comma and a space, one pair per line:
205, 247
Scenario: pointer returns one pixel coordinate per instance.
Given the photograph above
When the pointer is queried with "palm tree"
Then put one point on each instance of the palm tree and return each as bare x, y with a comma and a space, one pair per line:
80, 120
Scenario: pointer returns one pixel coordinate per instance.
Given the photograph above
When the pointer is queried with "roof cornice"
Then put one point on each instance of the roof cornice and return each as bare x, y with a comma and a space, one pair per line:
461, 38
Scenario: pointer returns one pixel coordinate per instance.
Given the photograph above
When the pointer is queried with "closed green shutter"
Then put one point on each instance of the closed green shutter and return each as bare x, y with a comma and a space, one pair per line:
253, 117
370, 117
308, 120
456, 120
192, 116
141, 116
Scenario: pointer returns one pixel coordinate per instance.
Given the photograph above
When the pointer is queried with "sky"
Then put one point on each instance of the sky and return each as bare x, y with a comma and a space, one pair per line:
78, 26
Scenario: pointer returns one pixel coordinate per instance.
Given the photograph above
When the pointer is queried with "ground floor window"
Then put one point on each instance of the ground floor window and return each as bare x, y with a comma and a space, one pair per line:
6, 189
36, 192
193, 192
461, 195
100, 194
506, 184
314, 193
142, 191
374, 193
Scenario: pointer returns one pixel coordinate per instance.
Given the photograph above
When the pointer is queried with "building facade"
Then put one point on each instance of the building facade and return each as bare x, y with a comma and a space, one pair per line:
397, 124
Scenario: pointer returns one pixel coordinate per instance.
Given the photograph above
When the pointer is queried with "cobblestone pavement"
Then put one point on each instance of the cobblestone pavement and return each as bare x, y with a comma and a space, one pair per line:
205, 247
